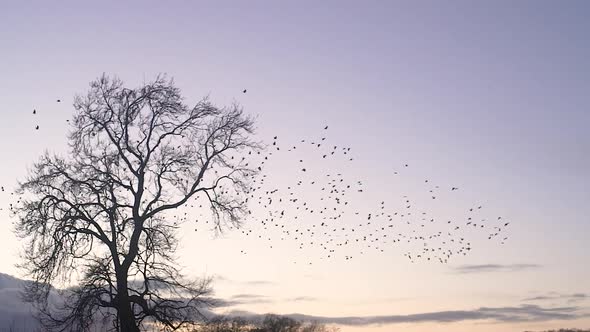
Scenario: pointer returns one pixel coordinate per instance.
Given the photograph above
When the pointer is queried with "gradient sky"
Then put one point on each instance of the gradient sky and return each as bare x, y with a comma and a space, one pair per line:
491, 97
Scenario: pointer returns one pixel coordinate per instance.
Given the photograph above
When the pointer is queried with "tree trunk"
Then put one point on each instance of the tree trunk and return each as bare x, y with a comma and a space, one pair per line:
125, 313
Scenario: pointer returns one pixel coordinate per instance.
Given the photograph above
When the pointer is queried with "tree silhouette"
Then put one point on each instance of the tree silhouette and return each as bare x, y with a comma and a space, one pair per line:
101, 216
280, 324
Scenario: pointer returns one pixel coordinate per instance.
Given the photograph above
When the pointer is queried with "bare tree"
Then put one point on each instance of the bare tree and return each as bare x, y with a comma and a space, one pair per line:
101, 215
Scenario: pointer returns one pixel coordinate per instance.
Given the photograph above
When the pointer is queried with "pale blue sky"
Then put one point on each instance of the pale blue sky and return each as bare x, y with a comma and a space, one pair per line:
489, 96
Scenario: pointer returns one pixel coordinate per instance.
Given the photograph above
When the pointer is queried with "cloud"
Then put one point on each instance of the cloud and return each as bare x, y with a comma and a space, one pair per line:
301, 299
523, 313
240, 299
494, 268
579, 296
218, 277
257, 282
247, 283
222, 303
248, 296
539, 298
556, 296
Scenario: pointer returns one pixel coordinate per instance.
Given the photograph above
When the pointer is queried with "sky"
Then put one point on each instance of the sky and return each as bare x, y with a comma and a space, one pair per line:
491, 97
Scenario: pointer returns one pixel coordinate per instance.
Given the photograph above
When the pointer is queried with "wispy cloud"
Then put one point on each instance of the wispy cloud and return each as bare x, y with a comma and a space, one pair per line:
221, 278
485, 268
567, 297
524, 313
539, 298
241, 299
579, 296
248, 296
224, 303
257, 282
301, 299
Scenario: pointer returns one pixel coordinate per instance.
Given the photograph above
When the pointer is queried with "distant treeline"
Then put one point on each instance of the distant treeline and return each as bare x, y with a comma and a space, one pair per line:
270, 323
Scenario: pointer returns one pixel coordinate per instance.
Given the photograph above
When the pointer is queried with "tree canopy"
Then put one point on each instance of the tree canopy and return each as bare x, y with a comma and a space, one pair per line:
99, 215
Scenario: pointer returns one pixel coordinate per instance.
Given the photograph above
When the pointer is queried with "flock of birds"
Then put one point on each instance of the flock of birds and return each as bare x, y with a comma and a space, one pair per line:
321, 210
329, 212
